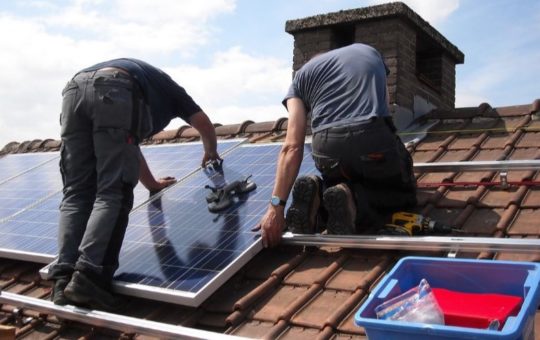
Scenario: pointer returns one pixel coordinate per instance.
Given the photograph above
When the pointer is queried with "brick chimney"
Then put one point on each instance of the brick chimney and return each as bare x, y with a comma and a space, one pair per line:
421, 61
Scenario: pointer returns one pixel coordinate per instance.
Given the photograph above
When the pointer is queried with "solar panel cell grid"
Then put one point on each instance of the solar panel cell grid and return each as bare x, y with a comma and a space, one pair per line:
174, 243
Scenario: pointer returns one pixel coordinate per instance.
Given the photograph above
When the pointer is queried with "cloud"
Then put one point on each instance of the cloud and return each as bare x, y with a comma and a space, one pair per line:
434, 11
44, 43
45, 50
237, 86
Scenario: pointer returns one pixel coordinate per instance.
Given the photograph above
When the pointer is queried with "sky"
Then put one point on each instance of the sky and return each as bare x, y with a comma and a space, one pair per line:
234, 56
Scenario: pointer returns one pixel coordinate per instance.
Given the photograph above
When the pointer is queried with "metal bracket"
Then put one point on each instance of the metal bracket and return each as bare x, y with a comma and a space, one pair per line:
504, 179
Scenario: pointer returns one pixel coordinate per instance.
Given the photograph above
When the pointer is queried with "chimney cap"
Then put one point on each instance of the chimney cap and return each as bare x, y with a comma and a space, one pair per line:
394, 9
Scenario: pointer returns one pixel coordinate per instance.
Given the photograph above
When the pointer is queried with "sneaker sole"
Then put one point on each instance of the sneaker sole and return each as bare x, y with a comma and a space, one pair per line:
340, 221
297, 219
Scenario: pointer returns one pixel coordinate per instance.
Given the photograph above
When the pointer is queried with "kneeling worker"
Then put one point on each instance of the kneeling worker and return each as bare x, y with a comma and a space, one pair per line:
364, 165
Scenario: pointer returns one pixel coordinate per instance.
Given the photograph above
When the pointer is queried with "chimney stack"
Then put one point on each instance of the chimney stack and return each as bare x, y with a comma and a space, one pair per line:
421, 61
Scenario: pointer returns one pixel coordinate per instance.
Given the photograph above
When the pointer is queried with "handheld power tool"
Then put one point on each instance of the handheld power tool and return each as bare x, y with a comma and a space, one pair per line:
406, 223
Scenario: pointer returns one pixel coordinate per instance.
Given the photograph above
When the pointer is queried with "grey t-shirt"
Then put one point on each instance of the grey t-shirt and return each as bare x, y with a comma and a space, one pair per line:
342, 87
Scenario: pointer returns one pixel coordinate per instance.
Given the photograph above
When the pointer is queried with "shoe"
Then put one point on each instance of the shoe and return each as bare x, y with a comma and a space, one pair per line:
83, 292
301, 218
339, 202
57, 296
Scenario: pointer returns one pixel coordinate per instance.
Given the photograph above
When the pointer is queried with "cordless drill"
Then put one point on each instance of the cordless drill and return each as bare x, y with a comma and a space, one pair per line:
405, 223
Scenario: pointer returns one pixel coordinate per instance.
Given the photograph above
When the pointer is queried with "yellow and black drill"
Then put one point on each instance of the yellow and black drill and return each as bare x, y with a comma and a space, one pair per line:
406, 223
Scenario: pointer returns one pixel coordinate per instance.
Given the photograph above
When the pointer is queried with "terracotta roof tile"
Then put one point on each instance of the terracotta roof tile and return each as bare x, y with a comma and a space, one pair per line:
348, 326
424, 156
299, 333
529, 140
532, 198
307, 272
358, 272
467, 141
317, 311
498, 197
225, 300
526, 223
483, 221
253, 329
458, 197
271, 308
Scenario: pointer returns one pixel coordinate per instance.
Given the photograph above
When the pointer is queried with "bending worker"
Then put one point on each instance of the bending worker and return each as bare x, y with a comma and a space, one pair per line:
364, 165
107, 110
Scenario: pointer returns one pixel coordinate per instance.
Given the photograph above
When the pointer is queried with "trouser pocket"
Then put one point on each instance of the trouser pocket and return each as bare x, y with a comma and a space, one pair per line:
112, 105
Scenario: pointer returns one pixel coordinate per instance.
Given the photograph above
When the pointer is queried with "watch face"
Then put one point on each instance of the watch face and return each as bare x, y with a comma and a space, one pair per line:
274, 200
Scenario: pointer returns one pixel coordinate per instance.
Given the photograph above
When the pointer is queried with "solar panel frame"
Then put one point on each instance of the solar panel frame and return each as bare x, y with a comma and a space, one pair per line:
194, 299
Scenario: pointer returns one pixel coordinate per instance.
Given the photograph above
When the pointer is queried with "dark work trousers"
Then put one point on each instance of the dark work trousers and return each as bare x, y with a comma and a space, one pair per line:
373, 161
100, 167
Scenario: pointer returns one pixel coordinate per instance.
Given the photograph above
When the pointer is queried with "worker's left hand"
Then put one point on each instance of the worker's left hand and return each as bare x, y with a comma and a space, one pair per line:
271, 226
162, 183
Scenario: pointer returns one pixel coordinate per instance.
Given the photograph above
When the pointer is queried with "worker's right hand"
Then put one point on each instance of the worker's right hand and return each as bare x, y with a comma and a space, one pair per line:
271, 226
209, 157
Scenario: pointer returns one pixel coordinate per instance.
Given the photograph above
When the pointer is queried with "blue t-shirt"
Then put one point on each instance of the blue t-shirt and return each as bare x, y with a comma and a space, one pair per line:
342, 87
164, 97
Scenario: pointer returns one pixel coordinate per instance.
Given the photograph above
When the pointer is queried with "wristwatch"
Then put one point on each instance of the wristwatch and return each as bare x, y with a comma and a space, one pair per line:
276, 201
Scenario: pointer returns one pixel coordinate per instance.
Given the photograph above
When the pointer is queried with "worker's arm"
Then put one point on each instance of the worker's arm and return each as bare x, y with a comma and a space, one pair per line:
289, 161
203, 125
148, 180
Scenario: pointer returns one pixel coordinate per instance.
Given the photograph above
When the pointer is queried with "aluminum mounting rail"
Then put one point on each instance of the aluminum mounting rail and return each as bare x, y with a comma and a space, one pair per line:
422, 243
116, 322
533, 164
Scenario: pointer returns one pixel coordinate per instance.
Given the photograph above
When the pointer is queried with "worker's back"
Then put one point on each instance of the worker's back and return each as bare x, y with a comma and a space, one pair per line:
343, 86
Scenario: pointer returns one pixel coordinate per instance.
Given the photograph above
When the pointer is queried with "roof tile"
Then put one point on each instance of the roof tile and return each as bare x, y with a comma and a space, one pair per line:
253, 329
311, 268
532, 198
348, 324
358, 272
317, 311
483, 221
498, 197
299, 333
526, 223
271, 308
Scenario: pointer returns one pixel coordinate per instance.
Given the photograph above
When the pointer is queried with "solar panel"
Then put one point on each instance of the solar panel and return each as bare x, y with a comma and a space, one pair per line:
175, 250
177, 160
29, 188
15, 164
31, 235
29, 203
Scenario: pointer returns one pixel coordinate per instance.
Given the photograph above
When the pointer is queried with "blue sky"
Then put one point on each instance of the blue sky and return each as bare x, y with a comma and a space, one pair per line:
234, 56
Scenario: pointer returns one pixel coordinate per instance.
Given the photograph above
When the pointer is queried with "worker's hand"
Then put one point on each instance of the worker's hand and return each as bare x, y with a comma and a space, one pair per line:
161, 183
209, 157
271, 226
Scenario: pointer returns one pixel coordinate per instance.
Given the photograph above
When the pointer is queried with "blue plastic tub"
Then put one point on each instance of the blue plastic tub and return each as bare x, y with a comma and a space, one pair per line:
468, 276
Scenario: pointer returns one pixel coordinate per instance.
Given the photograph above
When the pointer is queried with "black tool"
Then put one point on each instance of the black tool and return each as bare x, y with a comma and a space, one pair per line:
222, 198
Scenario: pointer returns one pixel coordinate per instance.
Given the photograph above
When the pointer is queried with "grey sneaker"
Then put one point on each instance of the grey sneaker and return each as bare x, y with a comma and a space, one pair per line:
83, 292
301, 218
339, 202
57, 295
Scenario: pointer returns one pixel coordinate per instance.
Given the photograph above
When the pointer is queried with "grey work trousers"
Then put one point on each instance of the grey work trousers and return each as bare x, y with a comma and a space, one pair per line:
373, 161
100, 167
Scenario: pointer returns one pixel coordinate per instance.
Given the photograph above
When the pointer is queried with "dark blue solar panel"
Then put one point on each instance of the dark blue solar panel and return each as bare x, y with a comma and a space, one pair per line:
15, 164
182, 251
25, 190
177, 160
30, 214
